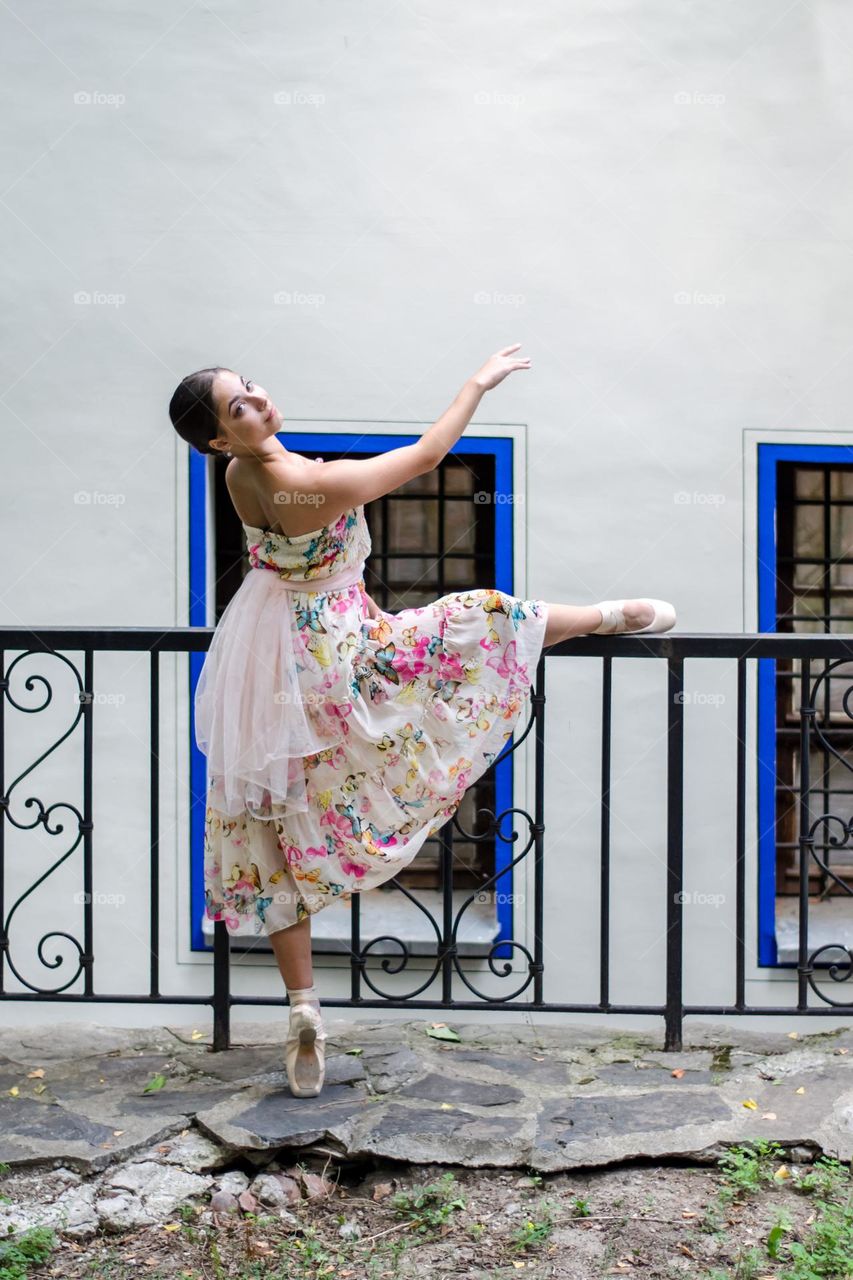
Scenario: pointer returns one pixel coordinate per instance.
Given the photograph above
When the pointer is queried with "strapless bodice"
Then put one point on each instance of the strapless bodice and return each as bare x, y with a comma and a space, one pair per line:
313, 556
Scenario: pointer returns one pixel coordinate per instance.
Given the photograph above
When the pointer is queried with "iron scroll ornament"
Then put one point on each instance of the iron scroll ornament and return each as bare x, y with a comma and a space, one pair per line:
391, 967
43, 818
836, 972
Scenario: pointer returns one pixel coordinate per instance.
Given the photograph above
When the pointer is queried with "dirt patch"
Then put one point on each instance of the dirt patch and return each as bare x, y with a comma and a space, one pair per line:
396, 1220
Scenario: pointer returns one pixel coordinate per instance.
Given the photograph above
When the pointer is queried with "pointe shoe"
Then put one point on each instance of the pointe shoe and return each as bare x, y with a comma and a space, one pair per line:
613, 619
305, 1051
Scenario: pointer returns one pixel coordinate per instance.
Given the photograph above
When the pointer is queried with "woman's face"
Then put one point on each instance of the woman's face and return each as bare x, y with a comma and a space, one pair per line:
246, 414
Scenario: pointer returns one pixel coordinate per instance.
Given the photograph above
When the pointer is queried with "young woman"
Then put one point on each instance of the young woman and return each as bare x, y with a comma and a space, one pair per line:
339, 737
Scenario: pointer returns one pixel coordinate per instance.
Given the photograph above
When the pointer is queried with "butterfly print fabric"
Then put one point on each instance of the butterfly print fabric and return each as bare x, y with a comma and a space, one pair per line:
361, 735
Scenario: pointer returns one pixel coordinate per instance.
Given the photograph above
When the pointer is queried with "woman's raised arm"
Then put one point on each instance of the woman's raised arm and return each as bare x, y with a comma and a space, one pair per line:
333, 487
337, 486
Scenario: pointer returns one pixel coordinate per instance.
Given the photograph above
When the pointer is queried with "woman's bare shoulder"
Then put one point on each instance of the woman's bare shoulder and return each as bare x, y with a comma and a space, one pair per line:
251, 490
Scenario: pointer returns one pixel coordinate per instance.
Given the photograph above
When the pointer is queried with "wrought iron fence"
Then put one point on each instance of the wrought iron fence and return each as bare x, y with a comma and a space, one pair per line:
28, 690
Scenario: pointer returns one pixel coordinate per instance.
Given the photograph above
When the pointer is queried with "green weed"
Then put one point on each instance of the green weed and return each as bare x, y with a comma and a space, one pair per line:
827, 1179
21, 1251
827, 1251
535, 1230
428, 1207
746, 1168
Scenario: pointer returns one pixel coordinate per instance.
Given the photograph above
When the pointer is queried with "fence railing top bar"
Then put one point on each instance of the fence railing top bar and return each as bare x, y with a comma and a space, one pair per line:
160, 639
709, 644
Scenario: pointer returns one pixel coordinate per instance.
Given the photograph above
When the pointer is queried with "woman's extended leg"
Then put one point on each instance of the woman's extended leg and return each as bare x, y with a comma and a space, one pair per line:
567, 620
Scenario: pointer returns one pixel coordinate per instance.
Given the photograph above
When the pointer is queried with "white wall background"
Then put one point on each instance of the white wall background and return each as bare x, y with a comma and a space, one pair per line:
655, 198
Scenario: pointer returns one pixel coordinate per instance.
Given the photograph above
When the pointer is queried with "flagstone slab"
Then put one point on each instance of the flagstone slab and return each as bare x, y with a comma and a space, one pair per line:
245, 1063
175, 1102
578, 1130
522, 1066
388, 1070
262, 1117
439, 1088
107, 1077
53, 1042
646, 1073
34, 1132
426, 1134
40, 1121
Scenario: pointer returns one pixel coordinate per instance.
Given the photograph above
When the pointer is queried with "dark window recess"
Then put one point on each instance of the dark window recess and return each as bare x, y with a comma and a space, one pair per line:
230, 556
814, 577
430, 537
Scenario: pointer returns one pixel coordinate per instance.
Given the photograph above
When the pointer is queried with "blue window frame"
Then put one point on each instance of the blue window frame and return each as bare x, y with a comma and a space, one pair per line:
768, 456
501, 448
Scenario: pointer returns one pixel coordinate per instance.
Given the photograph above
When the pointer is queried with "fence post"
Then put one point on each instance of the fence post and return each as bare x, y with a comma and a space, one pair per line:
674, 853
538, 966
808, 711
221, 987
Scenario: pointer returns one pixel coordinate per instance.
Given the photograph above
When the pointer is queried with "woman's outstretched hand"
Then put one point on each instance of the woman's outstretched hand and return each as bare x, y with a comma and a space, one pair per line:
498, 366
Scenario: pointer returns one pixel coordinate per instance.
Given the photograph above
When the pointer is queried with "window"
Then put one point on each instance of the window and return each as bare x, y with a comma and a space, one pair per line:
429, 537
806, 586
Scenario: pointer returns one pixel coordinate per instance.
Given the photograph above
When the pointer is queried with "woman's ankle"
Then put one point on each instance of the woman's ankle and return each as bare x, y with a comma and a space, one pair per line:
303, 995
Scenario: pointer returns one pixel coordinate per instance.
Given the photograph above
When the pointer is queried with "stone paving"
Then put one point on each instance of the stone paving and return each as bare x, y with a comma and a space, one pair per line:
545, 1098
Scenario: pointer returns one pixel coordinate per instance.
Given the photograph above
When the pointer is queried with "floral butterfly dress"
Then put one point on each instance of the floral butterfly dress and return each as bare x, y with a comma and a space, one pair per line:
336, 743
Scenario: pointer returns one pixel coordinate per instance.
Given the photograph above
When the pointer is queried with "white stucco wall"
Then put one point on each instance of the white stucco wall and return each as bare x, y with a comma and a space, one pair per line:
654, 199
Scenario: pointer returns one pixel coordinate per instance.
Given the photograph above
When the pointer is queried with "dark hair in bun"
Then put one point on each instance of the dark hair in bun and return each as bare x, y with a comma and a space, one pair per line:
193, 411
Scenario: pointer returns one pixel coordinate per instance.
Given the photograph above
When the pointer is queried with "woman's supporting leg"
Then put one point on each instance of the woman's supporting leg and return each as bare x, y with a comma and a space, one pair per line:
305, 1047
292, 947
567, 620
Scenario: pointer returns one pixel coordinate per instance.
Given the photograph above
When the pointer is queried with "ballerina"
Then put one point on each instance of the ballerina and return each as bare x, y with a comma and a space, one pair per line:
340, 736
